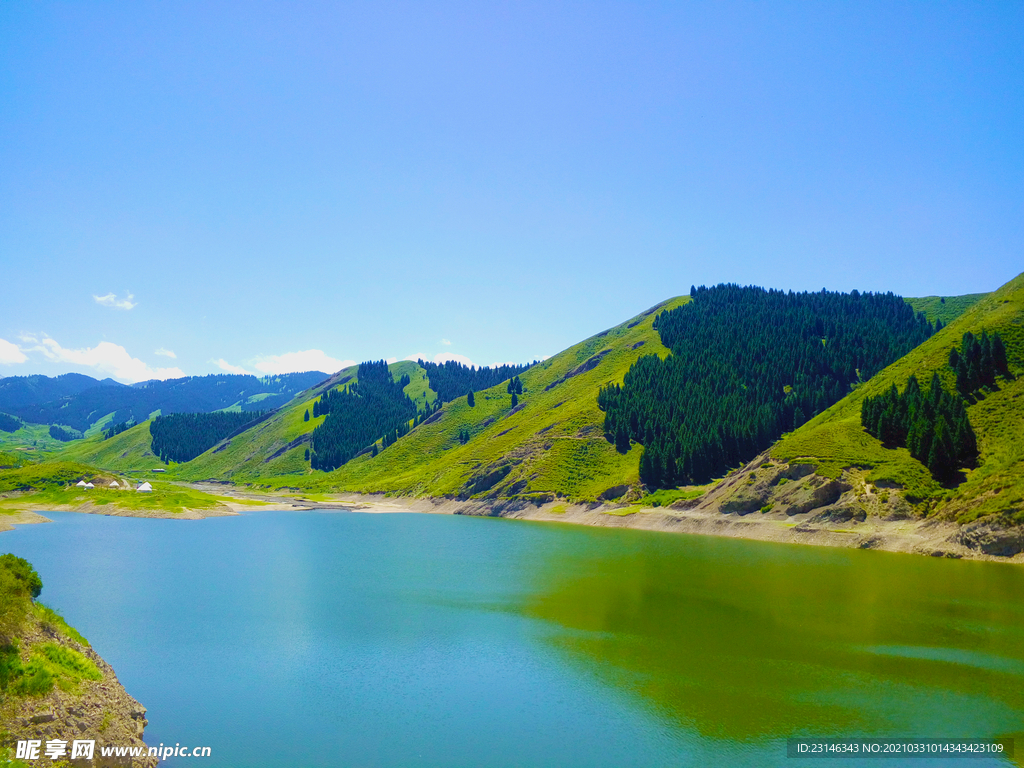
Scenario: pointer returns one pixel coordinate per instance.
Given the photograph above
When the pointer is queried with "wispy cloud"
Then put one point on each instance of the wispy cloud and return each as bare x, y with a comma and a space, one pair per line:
11, 353
295, 362
446, 342
105, 357
224, 365
165, 353
111, 300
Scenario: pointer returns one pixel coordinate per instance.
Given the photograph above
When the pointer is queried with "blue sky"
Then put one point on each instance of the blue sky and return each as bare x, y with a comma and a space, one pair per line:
197, 187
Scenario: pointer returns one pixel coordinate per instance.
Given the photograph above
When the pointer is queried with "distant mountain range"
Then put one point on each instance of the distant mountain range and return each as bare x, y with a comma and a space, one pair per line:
79, 401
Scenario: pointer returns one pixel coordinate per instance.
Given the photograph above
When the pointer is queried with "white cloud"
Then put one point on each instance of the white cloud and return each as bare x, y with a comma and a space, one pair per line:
418, 356
10, 353
294, 362
166, 353
105, 357
446, 342
110, 300
224, 365
391, 360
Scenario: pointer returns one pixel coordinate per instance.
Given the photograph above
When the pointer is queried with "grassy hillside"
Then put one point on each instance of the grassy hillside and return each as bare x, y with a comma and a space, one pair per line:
551, 444
945, 308
33, 439
835, 440
126, 452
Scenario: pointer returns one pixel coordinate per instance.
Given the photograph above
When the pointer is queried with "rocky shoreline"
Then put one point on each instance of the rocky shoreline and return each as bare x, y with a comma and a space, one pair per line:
100, 710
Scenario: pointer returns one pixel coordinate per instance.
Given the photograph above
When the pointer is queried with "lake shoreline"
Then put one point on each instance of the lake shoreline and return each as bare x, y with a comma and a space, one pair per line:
920, 537
928, 537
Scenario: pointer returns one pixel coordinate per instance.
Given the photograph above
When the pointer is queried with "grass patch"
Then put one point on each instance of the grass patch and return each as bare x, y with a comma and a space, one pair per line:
559, 509
666, 496
625, 511
165, 497
49, 664
52, 620
61, 665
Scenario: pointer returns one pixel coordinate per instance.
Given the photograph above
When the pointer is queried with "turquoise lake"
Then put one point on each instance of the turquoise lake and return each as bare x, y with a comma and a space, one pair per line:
345, 639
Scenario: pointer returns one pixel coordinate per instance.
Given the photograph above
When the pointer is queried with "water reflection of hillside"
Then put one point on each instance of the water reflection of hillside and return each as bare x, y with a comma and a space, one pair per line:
745, 640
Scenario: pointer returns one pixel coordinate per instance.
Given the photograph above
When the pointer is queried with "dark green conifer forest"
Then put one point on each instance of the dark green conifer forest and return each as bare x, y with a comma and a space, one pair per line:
452, 379
64, 435
9, 423
375, 407
118, 428
183, 436
932, 425
748, 364
978, 362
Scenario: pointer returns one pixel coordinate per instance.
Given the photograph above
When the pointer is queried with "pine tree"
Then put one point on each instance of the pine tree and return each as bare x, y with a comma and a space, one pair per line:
305, 416
622, 440
999, 357
470, 399
515, 400
307, 454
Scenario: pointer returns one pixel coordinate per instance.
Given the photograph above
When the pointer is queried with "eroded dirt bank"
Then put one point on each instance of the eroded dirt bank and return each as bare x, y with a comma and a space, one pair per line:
766, 500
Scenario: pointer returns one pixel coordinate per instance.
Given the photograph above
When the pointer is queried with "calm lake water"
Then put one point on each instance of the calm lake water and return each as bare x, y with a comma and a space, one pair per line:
340, 639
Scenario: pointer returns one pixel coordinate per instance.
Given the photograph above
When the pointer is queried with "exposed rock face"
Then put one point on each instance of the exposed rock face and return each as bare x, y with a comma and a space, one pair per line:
100, 710
992, 540
792, 489
815, 505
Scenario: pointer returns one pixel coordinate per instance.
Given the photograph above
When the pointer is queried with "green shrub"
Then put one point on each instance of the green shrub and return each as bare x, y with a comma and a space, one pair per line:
23, 571
14, 603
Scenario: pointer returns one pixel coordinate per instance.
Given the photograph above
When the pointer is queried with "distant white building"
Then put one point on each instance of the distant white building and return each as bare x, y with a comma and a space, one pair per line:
87, 486
80, 484
145, 488
115, 484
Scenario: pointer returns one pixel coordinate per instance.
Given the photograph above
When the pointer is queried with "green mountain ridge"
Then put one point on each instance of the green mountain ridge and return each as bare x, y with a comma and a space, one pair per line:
551, 445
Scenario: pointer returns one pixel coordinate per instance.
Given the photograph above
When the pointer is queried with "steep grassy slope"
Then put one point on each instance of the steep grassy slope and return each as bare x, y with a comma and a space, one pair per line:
835, 440
550, 444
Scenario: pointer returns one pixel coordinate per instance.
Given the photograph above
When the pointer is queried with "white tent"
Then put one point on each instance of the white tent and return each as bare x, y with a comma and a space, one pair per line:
87, 486
80, 484
114, 484
145, 488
